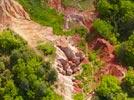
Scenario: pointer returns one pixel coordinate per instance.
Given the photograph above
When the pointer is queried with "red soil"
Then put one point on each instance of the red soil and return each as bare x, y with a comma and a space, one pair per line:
107, 55
72, 14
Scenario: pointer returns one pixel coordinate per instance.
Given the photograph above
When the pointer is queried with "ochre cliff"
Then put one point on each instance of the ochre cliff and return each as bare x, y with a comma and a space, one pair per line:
10, 9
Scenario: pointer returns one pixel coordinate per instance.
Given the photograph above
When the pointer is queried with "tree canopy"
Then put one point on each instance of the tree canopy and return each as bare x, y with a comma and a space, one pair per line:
23, 74
109, 89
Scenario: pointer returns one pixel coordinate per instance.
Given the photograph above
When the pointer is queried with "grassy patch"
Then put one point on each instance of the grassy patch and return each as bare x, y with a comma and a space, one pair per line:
87, 74
78, 96
41, 13
44, 15
85, 77
82, 45
47, 48
130, 98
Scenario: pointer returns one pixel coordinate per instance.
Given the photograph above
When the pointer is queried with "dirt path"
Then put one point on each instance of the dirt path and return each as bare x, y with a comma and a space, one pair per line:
34, 33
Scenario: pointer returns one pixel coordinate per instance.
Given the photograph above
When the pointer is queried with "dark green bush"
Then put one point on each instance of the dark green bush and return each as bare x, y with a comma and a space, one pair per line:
128, 83
52, 76
125, 51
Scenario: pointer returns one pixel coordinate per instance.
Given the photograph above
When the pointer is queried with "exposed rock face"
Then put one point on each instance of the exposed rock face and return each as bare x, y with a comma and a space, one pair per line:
84, 18
10, 9
69, 64
71, 14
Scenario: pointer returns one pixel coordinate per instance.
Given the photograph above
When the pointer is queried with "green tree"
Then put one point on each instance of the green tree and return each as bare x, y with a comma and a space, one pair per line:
104, 8
109, 89
23, 74
119, 13
9, 42
10, 91
128, 83
125, 51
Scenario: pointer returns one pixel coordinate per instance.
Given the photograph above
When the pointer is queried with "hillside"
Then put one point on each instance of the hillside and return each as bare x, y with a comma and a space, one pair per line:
66, 50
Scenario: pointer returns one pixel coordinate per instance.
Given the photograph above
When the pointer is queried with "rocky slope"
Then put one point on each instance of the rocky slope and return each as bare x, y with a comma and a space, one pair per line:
10, 10
71, 14
68, 57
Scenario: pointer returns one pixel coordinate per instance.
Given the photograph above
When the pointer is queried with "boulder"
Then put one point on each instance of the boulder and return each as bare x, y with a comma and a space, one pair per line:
68, 52
69, 71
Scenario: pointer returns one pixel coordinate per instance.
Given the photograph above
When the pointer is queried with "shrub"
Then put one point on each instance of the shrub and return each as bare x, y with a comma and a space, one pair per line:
125, 51
81, 31
128, 83
47, 48
92, 56
52, 76
9, 42
109, 89
105, 30
23, 53
104, 7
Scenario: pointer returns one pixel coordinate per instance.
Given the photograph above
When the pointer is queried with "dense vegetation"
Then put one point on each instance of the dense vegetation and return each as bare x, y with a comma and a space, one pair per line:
23, 74
128, 83
118, 13
126, 51
116, 24
109, 89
